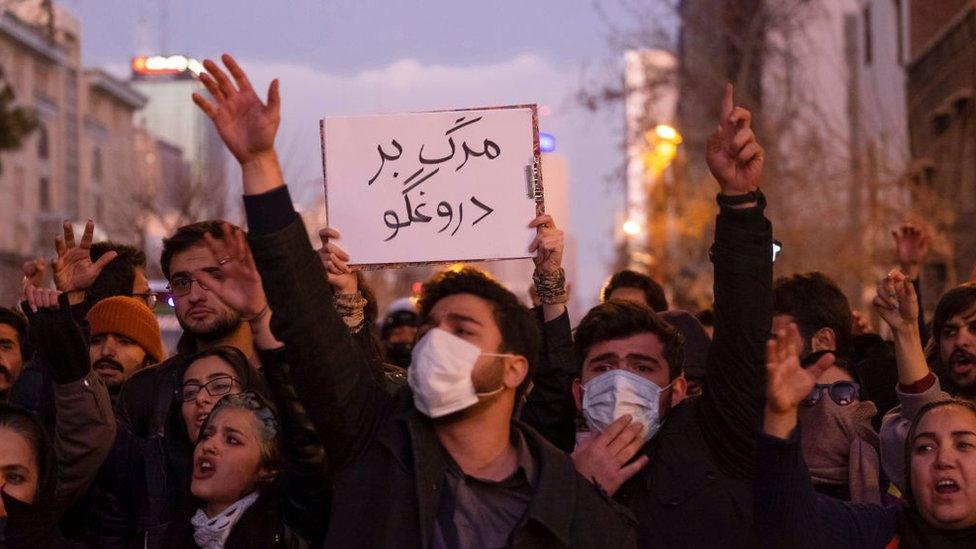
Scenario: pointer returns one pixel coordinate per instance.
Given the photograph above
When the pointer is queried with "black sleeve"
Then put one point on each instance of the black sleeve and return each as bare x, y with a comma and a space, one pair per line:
549, 407
788, 513
331, 374
303, 480
924, 330
60, 343
735, 380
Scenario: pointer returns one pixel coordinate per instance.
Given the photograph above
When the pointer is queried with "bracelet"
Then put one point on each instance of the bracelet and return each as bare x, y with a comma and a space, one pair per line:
351, 307
551, 286
258, 316
738, 199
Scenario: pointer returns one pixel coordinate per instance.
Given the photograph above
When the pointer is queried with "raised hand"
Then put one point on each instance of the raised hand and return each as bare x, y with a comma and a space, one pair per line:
246, 124
41, 298
548, 244
911, 248
73, 268
335, 260
237, 282
896, 301
603, 458
861, 323
787, 383
733, 155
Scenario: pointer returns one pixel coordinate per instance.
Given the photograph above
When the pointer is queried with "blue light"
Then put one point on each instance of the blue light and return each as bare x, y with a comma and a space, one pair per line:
547, 142
171, 302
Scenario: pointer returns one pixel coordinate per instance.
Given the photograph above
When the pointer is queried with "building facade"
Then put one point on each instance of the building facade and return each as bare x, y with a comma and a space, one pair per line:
941, 83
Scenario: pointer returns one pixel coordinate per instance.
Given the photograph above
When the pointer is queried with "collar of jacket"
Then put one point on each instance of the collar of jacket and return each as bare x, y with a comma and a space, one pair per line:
415, 445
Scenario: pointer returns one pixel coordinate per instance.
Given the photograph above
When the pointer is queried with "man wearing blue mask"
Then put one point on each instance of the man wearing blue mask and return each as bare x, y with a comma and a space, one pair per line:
684, 465
442, 463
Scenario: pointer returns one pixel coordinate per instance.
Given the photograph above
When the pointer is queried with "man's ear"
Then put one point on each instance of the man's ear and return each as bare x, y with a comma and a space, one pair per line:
679, 390
578, 394
515, 371
824, 340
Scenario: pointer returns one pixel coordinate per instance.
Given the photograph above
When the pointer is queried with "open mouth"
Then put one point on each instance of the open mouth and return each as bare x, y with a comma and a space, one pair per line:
947, 486
963, 362
204, 468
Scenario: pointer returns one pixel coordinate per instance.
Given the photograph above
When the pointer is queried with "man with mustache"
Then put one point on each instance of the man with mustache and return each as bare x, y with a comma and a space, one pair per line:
13, 348
952, 350
124, 339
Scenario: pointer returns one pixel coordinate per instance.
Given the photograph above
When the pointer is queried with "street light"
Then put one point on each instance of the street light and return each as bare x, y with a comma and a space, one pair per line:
631, 228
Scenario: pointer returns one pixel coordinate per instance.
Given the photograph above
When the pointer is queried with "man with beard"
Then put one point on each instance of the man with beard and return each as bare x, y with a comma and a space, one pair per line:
14, 348
206, 321
952, 349
124, 338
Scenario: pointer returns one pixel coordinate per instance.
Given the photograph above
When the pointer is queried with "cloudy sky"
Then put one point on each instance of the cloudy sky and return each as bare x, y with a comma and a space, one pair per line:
366, 56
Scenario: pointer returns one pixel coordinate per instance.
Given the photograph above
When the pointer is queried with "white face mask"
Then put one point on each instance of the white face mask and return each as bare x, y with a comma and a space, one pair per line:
440, 370
613, 394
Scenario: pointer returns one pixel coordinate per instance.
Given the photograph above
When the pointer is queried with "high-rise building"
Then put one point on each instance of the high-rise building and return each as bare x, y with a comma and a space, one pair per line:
168, 82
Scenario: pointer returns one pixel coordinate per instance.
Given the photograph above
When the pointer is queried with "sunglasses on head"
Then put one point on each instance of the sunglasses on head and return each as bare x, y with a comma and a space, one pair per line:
842, 393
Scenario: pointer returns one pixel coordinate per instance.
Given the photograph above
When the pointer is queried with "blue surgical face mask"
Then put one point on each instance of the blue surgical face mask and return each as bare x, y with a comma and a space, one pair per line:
616, 393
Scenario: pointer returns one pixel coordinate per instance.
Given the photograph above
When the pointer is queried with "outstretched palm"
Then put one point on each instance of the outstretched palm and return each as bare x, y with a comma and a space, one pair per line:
247, 125
787, 383
238, 284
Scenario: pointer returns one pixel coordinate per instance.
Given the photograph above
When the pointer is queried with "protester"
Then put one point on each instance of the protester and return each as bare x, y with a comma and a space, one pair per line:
26, 463
206, 321
633, 286
940, 509
952, 348
123, 338
453, 441
398, 333
15, 349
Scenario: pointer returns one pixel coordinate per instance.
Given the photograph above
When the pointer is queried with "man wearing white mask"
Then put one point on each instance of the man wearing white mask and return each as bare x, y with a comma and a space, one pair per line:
442, 463
684, 465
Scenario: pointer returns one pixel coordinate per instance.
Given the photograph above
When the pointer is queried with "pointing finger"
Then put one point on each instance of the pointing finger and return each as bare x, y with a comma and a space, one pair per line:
727, 104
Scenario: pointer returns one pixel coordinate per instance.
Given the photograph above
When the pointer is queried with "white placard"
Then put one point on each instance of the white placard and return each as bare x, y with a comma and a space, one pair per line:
432, 187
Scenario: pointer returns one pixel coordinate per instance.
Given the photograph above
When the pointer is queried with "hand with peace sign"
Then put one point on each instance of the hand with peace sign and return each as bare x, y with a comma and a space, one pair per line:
734, 157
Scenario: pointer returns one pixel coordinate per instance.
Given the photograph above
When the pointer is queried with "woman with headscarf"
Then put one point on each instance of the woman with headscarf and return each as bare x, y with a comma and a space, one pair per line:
940, 464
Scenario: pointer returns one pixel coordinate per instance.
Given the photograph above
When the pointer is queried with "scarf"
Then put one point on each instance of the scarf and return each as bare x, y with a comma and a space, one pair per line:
841, 448
915, 533
212, 533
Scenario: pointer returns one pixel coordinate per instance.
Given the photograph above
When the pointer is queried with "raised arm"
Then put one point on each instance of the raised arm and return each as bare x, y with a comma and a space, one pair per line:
84, 427
332, 376
742, 259
787, 512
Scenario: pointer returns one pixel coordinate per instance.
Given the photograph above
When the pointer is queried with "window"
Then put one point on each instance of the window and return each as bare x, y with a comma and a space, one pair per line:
97, 164
43, 143
868, 54
44, 194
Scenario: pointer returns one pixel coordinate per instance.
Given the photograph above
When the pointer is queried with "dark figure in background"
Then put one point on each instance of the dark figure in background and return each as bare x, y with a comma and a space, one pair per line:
632, 286
398, 333
952, 348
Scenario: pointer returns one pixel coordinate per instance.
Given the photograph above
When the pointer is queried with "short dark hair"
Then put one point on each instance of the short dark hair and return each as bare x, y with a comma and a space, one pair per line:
519, 329
618, 319
653, 292
119, 275
17, 321
706, 317
186, 237
957, 300
815, 302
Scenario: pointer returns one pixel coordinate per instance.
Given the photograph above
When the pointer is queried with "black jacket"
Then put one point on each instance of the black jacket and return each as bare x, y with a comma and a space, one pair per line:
390, 466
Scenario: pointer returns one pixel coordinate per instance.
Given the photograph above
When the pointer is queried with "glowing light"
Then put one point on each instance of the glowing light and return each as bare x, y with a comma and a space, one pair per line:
171, 302
161, 64
547, 142
632, 227
667, 133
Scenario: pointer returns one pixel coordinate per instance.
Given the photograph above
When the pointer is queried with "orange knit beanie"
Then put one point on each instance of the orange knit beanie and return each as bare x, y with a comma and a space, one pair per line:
128, 317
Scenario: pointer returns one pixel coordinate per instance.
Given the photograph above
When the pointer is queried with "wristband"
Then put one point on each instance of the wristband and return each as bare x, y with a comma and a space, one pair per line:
551, 286
738, 199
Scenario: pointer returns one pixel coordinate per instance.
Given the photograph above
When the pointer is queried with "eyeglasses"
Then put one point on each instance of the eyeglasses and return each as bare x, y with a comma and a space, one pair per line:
843, 393
180, 285
149, 298
218, 386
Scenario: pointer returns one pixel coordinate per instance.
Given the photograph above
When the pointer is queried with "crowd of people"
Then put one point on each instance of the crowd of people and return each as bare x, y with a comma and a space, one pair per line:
292, 416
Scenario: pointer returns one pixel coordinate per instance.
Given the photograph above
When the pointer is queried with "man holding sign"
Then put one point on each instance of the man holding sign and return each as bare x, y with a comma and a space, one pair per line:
442, 463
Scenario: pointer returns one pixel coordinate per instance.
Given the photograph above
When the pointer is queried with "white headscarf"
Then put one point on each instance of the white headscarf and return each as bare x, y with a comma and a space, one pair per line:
212, 533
